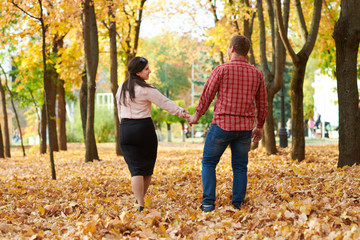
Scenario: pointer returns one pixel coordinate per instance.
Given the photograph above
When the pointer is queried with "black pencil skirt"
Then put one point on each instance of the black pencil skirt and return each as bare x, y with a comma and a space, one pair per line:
139, 144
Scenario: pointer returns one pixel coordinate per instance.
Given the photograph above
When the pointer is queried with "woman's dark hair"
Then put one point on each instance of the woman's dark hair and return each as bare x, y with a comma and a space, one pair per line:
136, 65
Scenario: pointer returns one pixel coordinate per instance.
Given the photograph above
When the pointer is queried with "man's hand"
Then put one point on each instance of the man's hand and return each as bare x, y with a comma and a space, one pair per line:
193, 119
257, 134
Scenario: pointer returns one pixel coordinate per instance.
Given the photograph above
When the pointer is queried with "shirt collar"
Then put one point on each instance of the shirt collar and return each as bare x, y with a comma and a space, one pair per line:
236, 59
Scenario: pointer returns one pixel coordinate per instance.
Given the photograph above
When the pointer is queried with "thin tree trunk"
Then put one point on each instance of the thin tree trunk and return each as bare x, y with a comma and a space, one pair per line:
2, 154
183, 130
62, 116
113, 74
43, 130
83, 103
14, 109
347, 39
6, 122
169, 131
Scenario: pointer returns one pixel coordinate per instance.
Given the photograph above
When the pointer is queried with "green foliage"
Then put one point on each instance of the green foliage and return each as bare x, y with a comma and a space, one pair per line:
287, 100
308, 100
104, 127
104, 124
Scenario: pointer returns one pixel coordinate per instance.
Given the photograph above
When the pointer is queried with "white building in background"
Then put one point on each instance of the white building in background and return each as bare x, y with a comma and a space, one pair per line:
326, 99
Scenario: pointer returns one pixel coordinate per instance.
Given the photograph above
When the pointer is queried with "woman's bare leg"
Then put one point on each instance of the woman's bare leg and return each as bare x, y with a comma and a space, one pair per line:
137, 183
147, 180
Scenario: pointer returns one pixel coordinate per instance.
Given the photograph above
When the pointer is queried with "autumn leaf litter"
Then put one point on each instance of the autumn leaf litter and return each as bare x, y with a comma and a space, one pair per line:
286, 199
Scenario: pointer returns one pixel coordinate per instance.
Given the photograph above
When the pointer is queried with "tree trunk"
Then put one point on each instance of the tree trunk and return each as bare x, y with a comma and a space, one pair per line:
169, 131
62, 116
183, 130
52, 77
347, 38
297, 116
2, 154
113, 74
91, 45
83, 104
6, 124
43, 130
268, 141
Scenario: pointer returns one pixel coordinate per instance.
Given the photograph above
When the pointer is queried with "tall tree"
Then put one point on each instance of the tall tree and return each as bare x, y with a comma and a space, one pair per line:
300, 60
14, 109
273, 76
113, 70
91, 45
347, 39
45, 79
5, 115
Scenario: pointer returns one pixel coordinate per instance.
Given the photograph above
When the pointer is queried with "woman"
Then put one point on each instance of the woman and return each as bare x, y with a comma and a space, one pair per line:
138, 139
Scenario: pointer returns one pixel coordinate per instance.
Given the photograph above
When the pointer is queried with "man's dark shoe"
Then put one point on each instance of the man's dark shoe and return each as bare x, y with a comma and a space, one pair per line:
140, 208
238, 206
207, 208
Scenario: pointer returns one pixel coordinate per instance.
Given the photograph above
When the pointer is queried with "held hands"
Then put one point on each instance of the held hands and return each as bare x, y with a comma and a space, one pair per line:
193, 119
257, 134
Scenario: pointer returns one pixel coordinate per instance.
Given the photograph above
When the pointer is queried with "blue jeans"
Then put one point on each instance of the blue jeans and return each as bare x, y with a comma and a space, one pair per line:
216, 142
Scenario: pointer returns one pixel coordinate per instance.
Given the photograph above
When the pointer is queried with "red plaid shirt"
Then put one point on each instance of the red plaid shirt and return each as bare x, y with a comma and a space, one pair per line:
240, 88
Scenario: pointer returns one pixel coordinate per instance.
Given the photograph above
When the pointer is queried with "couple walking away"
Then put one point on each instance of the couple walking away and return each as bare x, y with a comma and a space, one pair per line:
241, 92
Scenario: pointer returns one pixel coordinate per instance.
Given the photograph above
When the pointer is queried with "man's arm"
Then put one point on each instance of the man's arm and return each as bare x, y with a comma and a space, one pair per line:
210, 89
261, 101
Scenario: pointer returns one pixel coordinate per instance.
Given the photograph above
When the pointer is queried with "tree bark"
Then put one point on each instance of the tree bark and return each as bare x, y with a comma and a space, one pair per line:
62, 116
347, 39
83, 104
52, 77
6, 122
2, 153
113, 74
43, 130
297, 115
169, 131
91, 45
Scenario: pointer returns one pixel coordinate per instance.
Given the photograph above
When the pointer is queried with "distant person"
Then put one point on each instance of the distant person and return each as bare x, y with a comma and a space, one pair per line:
240, 89
138, 139
289, 126
311, 127
318, 122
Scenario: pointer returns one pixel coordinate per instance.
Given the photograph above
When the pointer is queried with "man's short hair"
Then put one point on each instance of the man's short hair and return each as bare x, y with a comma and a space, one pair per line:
241, 44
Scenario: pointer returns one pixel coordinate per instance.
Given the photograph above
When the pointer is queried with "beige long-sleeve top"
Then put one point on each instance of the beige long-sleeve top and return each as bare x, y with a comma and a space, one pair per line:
140, 107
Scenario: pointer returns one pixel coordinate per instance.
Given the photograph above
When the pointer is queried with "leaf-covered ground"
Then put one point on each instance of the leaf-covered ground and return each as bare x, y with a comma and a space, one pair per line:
286, 199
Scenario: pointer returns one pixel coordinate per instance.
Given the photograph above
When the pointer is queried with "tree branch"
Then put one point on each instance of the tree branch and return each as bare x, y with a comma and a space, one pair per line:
283, 34
314, 28
17, 6
301, 20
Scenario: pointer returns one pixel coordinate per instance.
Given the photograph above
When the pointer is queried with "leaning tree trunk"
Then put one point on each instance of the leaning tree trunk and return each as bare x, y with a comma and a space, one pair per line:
296, 94
347, 38
6, 122
83, 99
62, 116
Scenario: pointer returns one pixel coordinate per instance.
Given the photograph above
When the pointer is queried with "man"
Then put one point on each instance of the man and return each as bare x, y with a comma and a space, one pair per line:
240, 88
